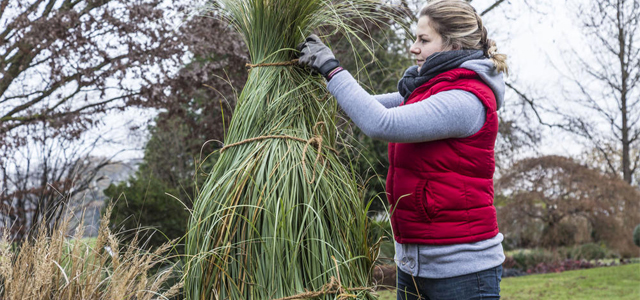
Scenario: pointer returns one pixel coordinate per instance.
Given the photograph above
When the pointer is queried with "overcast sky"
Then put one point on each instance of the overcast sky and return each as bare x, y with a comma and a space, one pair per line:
540, 38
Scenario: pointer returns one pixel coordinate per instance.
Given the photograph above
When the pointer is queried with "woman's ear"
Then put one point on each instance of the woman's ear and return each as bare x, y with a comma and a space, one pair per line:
452, 46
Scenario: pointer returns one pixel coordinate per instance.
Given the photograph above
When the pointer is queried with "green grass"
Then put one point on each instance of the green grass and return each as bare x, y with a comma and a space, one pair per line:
620, 282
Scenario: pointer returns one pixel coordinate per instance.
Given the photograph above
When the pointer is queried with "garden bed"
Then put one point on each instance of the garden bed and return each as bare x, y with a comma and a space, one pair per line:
617, 282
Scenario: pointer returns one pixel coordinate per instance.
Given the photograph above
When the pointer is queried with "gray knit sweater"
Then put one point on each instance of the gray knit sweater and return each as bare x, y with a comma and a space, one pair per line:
450, 114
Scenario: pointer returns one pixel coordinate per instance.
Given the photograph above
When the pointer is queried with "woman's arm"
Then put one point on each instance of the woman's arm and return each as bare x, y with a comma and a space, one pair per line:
450, 114
389, 100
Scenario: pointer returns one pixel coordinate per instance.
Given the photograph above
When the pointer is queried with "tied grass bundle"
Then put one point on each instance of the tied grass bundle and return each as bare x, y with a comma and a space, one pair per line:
280, 215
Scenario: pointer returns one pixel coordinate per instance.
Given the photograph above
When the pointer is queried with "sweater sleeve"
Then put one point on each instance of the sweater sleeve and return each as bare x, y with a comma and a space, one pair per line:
450, 114
389, 100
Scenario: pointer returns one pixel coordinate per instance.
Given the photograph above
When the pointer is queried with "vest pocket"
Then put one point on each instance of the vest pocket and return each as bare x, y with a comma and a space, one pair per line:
422, 201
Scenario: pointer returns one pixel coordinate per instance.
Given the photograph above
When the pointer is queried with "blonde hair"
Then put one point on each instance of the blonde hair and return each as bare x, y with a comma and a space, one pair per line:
461, 27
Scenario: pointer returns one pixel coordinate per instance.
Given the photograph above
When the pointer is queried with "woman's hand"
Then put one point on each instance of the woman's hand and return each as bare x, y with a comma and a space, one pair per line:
318, 56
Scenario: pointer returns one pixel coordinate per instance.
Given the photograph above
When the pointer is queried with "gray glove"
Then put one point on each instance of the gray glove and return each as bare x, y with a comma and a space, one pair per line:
318, 56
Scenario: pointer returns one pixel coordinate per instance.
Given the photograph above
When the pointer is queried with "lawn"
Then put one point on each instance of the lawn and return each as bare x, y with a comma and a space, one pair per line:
620, 282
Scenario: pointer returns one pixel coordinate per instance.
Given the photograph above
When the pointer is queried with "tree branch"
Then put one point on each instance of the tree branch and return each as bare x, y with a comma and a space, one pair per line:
492, 7
75, 77
3, 6
24, 120
530, 101
11, 25
635, 163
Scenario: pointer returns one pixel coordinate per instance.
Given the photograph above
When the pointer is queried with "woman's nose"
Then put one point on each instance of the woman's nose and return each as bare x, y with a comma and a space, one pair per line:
414, 49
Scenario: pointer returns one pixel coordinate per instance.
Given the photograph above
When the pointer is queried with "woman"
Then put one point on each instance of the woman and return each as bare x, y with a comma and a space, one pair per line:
441, 126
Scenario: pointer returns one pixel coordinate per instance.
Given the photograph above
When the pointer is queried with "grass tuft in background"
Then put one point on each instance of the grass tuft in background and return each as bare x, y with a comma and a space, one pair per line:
56, 266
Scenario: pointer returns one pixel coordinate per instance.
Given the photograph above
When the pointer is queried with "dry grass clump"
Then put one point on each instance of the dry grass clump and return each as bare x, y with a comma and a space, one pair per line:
56, 267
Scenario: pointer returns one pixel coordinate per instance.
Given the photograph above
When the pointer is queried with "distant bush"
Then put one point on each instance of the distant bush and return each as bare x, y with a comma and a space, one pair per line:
554, 201
561, 266
636, 235
526, 259
541, 260
144, 205
588, 251
561, 234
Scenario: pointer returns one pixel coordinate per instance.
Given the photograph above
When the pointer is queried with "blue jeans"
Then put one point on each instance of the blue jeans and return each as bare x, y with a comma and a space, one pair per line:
482, 285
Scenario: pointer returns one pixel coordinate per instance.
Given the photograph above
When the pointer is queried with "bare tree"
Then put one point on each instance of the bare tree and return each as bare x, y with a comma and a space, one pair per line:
63, 65
46, 181
614, 24
64, 61
605, 98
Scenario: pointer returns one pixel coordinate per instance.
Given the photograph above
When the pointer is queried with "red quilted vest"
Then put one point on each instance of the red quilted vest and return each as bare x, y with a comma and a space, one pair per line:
441, 192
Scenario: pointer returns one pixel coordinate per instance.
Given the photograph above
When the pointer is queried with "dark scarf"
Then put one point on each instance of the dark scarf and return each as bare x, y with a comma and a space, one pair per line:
435, 64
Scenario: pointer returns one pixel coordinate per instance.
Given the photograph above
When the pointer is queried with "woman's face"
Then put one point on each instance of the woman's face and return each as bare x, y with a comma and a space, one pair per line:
428, 42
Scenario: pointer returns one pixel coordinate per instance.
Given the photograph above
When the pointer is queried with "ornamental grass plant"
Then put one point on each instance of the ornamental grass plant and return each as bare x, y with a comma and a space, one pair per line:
55, 266
280, 215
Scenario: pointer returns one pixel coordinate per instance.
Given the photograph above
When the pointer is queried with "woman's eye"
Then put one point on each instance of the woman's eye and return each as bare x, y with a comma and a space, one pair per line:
423, 41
